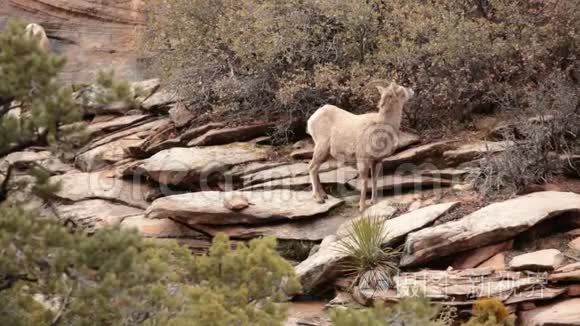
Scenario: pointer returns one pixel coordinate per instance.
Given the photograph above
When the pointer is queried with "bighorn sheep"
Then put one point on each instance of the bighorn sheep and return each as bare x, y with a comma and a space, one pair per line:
35, 30
363, 139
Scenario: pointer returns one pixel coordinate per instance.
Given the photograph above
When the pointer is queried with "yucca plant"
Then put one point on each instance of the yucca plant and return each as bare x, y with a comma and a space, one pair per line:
373, 264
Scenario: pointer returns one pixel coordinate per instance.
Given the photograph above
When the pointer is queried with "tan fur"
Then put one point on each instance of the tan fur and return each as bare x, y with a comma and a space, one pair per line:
364, 140
35, 30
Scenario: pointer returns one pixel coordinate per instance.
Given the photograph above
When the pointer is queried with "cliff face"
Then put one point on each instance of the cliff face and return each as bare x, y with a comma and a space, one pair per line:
92, 34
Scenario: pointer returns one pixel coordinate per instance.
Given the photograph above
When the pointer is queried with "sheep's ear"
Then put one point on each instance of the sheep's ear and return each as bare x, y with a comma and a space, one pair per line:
381, 89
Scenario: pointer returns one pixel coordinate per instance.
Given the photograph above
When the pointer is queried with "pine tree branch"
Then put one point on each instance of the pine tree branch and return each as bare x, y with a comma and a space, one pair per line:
5, 107
9, 281
5, 183
40, 139
63, 306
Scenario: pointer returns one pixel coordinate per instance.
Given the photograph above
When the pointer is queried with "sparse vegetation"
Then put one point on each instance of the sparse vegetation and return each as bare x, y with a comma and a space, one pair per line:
414, 311
246, 58
116, 91
418, 310
547, 129
108, 94
490, 312
373, 264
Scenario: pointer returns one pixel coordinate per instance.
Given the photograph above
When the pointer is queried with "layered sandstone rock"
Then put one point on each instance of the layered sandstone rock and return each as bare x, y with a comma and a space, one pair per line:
92, 34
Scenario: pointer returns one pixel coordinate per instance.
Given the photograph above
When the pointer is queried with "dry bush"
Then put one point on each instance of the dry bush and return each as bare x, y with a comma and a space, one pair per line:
547, 129
248, 58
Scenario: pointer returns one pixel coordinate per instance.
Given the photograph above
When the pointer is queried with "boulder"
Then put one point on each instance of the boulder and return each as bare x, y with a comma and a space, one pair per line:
459, 287
473, 258
282, 172
573, 290
262, 140
146, 88
265, 206
407, 139
160, 98
473, 151
415, 155
568, 268
180, 115
230, 135
141, 128
236, 202
399, 183
101, 127
93, 214
341, 176
535, 295
309, 229
185, 167
164, 136
568, 273
97, 185
304, 149
302, 154
159, 228
491, 224
324, 264
197, 131
559, 313
385, 209
575, 245
496, 262
109, 154
239, 171
451, 174
541, 260
26, 159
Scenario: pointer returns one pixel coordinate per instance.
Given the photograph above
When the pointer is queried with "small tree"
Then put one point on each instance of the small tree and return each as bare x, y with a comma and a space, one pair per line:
414, 311
52, 275
34, 106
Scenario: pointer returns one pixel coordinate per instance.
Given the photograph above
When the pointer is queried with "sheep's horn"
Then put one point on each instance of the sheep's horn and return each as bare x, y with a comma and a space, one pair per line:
378, 82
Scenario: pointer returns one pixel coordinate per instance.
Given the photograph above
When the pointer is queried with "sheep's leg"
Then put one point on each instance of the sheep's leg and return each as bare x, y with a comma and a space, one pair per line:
321, 152
363, 172
375, 171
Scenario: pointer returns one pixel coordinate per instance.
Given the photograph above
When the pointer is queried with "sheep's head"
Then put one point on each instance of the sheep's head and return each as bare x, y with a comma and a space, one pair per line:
36, 31
392, 94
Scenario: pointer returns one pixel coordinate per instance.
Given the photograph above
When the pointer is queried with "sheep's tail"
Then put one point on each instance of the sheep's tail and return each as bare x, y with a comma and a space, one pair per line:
309, 126
311, 121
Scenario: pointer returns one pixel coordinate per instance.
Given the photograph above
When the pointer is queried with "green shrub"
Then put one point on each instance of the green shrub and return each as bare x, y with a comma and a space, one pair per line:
241, 58
29, 83
50, 275
116, 90
413, 311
